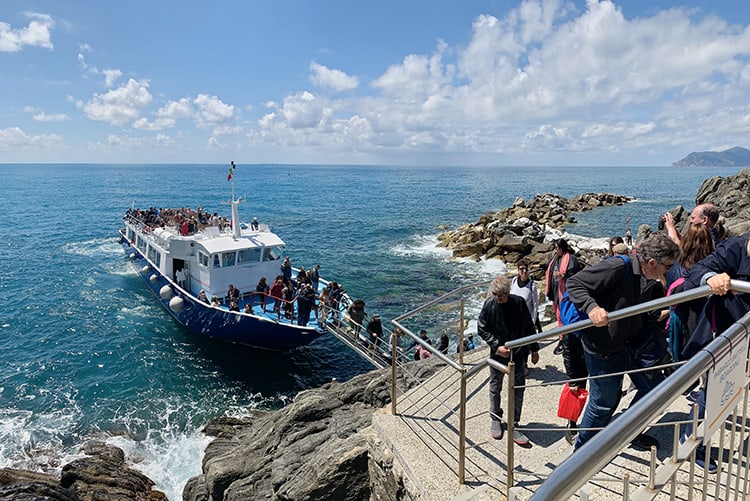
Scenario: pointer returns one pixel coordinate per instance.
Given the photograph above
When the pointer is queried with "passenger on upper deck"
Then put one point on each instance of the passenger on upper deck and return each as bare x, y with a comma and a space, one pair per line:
254, 225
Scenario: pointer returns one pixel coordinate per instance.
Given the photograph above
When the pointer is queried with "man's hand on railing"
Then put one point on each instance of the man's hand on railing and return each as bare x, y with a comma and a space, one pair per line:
599, 316
502, 351
719, 284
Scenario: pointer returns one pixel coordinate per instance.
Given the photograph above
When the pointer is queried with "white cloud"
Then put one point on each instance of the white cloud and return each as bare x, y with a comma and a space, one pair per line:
36, 34
111, 76
211, 112
13, 138
54, 117
167, 115
120, 105
544, 76
328, 78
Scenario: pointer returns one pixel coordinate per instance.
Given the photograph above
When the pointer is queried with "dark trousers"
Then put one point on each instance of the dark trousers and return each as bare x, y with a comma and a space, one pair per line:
496, 387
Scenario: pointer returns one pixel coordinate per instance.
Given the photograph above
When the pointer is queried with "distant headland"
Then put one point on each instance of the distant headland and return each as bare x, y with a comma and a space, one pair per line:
733, 157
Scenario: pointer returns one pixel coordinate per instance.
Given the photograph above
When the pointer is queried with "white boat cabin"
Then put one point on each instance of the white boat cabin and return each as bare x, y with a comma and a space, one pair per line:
209, 259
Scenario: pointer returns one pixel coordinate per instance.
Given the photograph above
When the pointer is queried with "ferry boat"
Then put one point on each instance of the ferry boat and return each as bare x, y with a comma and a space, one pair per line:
189, 263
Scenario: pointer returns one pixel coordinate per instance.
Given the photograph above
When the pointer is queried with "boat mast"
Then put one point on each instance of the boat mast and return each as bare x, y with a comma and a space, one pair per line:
236, 230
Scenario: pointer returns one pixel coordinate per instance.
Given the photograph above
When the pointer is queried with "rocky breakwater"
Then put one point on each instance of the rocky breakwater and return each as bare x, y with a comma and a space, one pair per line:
520, 230
318, 447
101, 474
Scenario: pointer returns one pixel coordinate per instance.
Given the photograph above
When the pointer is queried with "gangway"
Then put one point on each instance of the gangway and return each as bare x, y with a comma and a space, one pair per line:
359, 343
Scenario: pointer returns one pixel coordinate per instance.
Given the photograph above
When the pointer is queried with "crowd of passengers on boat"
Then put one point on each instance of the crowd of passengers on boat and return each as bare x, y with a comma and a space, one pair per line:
185, 220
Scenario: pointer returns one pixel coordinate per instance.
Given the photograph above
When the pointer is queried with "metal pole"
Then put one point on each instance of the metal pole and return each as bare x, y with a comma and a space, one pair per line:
511, 421
461, 334
394, 362
462, 431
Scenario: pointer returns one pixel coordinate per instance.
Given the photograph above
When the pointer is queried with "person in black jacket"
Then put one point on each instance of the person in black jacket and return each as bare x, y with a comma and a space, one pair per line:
597, 290
505, 317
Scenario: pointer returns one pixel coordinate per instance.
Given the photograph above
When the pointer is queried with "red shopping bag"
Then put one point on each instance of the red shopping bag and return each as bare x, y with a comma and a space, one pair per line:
572, 401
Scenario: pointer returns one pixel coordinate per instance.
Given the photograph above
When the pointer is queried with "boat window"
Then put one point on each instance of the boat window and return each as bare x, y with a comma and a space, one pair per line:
271, 253
248, 256
229, 259
203, 259
154, 256
140, 243
217, 260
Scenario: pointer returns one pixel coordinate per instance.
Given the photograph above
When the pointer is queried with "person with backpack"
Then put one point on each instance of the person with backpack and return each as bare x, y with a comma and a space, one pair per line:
562, 265
603, 287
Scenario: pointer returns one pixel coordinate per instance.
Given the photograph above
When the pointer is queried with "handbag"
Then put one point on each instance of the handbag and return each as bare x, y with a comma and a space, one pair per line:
572, 402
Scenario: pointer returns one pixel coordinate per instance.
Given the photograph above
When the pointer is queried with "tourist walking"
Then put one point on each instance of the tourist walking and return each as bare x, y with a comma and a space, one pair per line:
505, 317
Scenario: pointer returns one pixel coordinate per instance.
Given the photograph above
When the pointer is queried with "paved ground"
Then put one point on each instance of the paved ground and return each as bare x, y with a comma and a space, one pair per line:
424, 435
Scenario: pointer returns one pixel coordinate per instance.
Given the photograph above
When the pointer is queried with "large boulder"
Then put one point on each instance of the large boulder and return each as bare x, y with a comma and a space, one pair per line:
314, 448
101, 475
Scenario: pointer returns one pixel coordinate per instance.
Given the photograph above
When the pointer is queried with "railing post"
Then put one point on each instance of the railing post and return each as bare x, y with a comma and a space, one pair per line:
462, 430
461, 334
511, 421
394, 363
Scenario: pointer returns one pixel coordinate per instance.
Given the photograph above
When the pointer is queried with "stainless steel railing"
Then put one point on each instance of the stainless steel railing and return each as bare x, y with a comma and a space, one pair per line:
574, 472
577, 470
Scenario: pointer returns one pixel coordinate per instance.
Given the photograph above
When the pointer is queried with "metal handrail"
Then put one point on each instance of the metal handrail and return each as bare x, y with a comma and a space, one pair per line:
610, 442
605, 445
654, 304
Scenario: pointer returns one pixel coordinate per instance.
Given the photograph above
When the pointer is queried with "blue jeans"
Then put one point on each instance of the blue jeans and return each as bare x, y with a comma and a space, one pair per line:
604, 393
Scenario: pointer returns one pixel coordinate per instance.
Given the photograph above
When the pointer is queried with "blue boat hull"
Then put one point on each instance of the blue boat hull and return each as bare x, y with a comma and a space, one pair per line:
218, 323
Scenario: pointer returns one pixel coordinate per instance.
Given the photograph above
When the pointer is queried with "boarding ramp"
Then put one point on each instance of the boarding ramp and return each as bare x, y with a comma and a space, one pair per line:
438, 432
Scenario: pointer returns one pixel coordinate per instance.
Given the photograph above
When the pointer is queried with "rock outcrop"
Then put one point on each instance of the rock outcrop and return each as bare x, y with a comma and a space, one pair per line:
102, 474
314, 448
520, 230
730, 194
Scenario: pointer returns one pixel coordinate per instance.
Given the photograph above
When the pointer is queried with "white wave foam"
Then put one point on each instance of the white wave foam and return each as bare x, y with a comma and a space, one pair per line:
170, 461
94, 247
422, 245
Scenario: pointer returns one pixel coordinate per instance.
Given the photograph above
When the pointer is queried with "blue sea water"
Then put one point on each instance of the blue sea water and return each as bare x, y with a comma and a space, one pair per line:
87, 354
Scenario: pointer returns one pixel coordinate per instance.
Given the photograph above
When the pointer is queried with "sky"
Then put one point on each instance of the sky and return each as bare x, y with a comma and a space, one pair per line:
393, 82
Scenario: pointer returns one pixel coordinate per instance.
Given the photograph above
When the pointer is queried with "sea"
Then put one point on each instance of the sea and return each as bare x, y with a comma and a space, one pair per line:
86, 353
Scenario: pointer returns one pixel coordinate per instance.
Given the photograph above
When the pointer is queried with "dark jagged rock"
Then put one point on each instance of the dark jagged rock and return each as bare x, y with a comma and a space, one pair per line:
519, 231
733, 157
315, 448
730, 194
101, 475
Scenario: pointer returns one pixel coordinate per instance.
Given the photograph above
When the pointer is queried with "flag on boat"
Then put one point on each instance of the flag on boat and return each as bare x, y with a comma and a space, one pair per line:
231, 172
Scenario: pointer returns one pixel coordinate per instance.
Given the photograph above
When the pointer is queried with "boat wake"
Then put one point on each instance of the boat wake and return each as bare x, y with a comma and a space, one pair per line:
94, 248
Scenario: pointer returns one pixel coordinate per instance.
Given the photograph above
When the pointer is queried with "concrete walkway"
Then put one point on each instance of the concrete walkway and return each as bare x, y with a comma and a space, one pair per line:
424, 439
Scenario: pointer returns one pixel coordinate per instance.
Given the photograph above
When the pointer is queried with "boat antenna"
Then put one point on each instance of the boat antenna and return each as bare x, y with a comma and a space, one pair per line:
234, 203
230, 177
